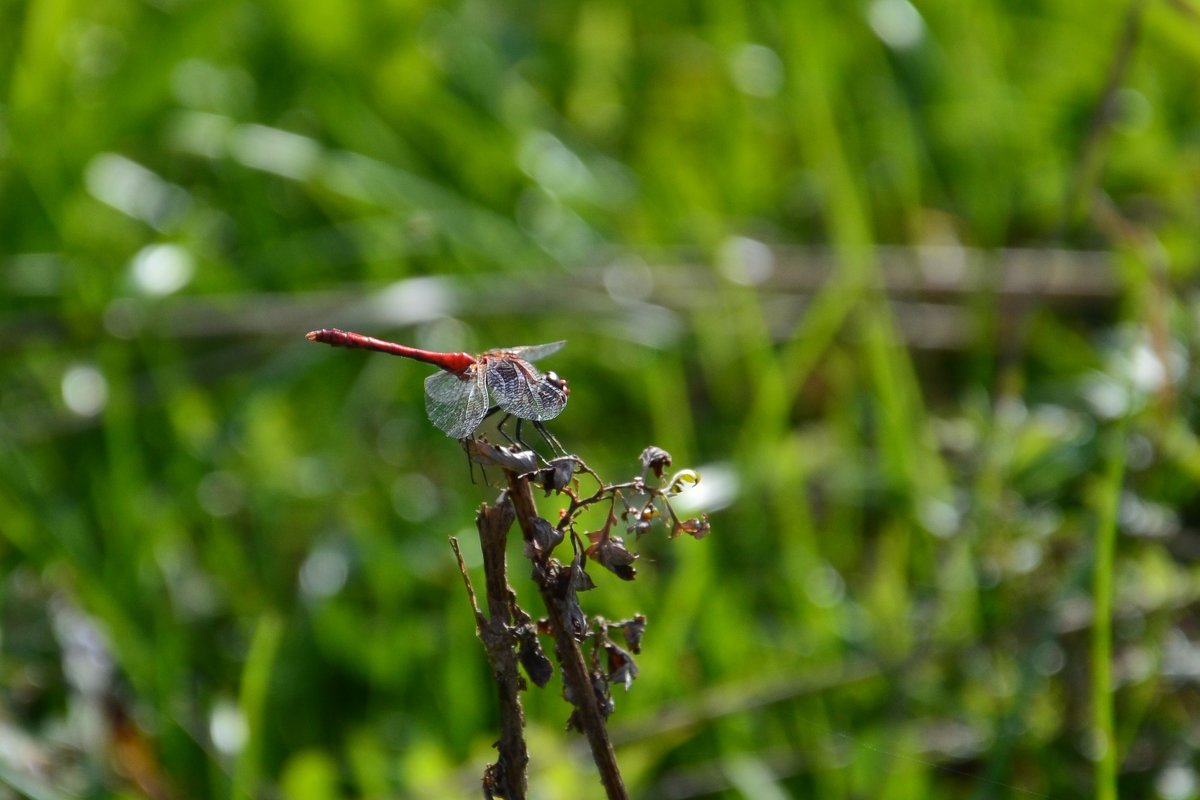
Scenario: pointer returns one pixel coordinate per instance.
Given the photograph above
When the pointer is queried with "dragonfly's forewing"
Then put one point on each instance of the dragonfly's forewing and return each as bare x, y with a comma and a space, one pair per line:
531, 352
456, 405
522, 391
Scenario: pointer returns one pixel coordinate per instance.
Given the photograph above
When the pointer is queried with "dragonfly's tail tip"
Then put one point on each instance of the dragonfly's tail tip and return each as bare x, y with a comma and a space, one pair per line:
312, 336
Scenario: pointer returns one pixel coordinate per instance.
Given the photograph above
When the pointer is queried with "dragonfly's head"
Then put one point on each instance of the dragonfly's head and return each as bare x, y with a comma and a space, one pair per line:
557, 382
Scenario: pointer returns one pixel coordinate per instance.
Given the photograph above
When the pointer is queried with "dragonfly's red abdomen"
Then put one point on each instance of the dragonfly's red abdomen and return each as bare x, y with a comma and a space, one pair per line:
451, 362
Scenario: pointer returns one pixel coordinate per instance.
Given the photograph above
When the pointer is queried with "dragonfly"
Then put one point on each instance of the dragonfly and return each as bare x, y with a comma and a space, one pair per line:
472, 387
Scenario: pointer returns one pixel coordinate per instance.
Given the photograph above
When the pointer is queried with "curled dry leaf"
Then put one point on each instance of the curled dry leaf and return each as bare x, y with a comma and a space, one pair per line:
537, 666
634, 629
611, 553
556, 476
580, 580
697, 527
655, 459
545, 538
574, 618
621, 666
603, 698
486, 454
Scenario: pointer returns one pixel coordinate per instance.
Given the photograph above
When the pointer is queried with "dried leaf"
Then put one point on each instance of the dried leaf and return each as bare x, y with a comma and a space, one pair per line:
483, 452
621, 666
612, 554
545, 538
568, 580
697, 527
556, 476
537, 666
580, 580
576, 619
655, 459
634, 629
603, 698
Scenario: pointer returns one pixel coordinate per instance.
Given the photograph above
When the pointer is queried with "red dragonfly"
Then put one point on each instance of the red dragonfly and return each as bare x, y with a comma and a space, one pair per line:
457, 399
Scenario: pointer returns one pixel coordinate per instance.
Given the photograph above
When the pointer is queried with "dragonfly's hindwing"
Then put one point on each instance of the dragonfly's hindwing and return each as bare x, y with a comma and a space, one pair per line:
456, 403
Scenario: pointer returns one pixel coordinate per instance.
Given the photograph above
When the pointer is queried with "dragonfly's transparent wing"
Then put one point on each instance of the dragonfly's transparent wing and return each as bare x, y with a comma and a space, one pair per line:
551, 396
522, 391
530, 352
456, 402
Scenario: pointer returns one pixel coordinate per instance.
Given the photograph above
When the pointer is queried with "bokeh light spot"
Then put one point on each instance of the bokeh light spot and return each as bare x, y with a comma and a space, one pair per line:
897, 23
227, 727
84, 390
757, 70
161, 269
745, 261
324, 572
220, 493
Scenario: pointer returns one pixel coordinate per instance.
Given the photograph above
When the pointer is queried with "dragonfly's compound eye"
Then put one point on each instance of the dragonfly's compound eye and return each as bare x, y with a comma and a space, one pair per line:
559, 383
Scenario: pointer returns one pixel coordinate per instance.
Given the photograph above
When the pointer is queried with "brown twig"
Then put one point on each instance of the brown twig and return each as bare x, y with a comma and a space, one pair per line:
507, 777
510, 635
555, 582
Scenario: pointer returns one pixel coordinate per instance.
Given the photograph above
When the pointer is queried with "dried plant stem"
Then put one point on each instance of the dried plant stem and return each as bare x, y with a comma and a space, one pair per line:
576, 676
507, 777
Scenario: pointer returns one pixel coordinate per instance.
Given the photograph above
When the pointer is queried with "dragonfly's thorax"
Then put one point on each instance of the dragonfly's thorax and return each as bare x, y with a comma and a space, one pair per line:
461, 364
469, 372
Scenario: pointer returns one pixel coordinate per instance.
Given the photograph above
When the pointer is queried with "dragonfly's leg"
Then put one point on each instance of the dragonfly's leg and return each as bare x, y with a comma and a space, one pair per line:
549, 437
516, 440
471, 465
500, 425
482, 471
519, 441
504, 432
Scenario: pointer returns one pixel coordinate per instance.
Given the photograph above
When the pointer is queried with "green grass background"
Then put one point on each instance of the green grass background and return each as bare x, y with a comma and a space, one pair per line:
955, 573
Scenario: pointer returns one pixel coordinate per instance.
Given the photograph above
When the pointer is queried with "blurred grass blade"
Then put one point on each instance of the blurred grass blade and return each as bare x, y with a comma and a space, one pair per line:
752, 778
1102, 589
256, 678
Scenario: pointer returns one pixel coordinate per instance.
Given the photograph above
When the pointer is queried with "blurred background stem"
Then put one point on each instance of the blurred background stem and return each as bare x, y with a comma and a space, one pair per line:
1109, 494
